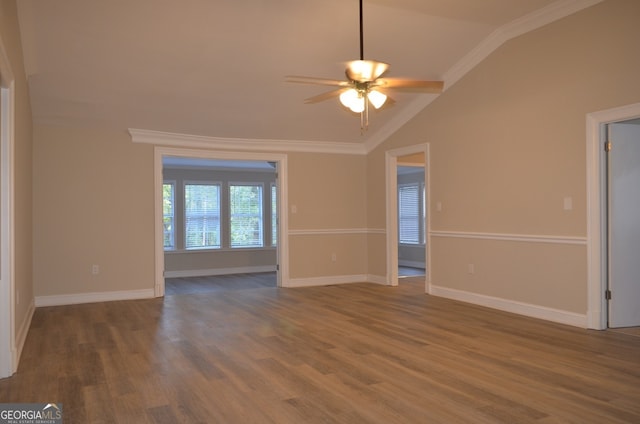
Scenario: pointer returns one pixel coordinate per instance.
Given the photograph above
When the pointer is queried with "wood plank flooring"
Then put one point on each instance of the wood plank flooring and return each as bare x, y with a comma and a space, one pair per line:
358, 353
194, 285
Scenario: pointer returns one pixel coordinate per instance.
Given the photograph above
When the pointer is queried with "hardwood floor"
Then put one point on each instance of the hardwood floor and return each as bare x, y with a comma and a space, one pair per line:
194, 285
358, 353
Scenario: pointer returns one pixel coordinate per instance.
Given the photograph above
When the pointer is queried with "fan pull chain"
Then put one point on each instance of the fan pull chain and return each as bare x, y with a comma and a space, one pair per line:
364, 118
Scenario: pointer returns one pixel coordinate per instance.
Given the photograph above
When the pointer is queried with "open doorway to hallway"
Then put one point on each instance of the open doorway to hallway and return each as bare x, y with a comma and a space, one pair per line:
411, 216
407, 213
622, 224
598, 249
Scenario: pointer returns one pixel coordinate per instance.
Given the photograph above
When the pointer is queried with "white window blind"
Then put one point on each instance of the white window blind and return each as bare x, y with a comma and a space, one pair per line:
409, 214
168, 215
202, 216
246, 215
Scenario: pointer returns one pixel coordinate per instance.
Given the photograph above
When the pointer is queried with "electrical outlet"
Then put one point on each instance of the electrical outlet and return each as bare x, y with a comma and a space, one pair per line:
334, 257
471, 269
95, 269
568, 203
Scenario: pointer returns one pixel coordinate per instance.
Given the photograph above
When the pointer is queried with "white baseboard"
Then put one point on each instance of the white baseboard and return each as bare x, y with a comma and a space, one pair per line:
377, 279
73, 299
21, 335
526, 309
326, 281
218, 271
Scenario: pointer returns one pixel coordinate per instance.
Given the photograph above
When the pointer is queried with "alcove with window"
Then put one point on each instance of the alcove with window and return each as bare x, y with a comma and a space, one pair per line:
219, 217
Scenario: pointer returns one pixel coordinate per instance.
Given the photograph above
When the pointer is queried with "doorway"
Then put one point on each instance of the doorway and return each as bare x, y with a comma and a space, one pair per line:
416, 157
597, 211
622, 148
279, 189
411, 216
9, 352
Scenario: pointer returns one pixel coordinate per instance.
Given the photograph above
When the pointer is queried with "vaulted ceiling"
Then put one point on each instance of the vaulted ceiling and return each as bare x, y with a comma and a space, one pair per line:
217, 68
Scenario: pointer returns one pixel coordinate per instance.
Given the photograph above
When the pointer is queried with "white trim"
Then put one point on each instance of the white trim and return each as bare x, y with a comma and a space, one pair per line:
334, 231
527, 238
377, 279
520, 308
239, 144
282, 191
219, 271
326, 281
391, 182
8, 351
551, 13
596, 260
23, 331
80, 298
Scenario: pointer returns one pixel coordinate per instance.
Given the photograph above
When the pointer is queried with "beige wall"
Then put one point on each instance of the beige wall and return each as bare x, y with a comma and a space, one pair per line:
10, 35
93, 204
327, 192
508, 144
93, 192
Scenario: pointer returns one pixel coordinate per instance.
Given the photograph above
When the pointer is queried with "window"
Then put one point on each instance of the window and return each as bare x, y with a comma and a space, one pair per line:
168, 215
274, 216
219, 209
411, 213
202, 215
245, 207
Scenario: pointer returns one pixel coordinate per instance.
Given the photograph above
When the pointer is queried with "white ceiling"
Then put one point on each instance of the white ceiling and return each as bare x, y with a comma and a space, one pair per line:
217, 68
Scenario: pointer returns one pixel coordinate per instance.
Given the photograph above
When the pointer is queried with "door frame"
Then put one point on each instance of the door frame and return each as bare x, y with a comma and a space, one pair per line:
391, 172
282, 250
8, 350
596, 210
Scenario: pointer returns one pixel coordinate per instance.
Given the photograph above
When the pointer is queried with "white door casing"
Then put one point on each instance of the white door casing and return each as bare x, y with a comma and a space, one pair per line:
596, 209
8, 351
281, 190
391, 173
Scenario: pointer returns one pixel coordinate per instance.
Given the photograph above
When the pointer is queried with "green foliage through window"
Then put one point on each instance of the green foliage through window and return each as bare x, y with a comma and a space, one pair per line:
168, 214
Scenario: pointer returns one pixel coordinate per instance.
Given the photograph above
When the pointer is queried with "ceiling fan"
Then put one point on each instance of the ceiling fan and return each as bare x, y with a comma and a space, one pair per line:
365, 84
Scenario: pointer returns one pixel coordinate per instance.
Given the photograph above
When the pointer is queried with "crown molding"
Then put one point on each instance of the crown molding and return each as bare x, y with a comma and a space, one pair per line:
242, 144
551, 13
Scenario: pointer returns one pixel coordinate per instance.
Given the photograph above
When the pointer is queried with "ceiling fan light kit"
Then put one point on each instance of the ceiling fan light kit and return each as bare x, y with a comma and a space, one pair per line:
363, 84
354, 99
